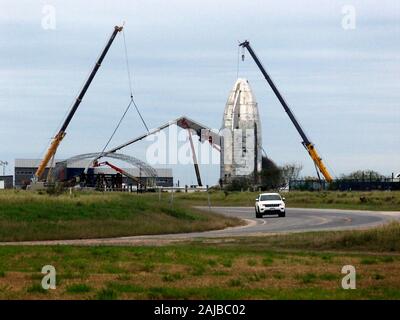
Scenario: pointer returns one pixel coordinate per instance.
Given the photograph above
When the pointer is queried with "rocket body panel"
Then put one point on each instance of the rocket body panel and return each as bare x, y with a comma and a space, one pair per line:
241, 130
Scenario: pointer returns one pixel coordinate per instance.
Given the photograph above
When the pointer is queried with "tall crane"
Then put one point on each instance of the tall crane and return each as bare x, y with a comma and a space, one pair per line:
306, 142
62, 132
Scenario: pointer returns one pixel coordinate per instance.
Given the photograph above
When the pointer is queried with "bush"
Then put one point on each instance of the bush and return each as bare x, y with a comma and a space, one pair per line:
238, 184
56, 189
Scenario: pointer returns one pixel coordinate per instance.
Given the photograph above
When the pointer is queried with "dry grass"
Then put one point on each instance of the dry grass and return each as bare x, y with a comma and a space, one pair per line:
296, 266
385, 238
194, 271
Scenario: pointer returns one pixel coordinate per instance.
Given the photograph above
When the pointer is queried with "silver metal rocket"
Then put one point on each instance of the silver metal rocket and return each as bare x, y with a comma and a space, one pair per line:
241, 149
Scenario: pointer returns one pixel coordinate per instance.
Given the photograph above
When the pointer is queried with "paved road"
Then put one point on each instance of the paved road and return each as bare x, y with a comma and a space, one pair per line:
299, 220
296, 220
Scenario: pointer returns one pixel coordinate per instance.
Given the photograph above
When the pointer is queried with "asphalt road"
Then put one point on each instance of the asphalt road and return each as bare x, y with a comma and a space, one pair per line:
300, 220
296, 220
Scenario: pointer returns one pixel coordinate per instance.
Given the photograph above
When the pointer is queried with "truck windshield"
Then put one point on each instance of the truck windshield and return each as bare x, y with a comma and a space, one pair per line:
267, 197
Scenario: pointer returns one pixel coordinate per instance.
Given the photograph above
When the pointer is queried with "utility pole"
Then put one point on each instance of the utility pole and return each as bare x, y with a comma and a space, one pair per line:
4, 164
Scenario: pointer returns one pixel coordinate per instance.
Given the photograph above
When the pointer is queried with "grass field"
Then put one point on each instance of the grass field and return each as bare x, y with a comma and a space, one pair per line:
292, 266
374, 200
298, 266
39, 216
33, 216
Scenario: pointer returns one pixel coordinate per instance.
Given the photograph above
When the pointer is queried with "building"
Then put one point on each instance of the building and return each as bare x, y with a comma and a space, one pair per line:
241, 150
6, 182
164, 175
25, 169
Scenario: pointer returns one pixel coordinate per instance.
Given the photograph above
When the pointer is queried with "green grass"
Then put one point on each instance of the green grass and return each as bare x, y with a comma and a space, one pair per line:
172, 277
291, 266
36, 288
307, 278
235, 283
329, 276
107, 294
251, 268
78, 288
267, 261
38, 216
380, 239
256, 277
34, 216
369, 261
374, 200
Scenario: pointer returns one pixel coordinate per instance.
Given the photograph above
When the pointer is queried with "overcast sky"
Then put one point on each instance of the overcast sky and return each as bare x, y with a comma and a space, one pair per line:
342, 84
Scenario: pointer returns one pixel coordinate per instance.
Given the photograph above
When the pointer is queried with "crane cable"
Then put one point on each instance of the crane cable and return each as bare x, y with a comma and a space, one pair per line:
117, 127
130, 82
127, 64
238, 63
131, 101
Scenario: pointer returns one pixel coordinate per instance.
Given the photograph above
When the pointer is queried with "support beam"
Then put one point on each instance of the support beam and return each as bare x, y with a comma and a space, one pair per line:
195, 163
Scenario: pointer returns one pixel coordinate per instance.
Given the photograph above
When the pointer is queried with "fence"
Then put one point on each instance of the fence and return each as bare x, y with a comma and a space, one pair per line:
346, 184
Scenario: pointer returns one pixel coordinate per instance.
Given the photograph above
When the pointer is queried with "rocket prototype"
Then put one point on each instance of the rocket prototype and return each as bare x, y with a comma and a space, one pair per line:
241, 131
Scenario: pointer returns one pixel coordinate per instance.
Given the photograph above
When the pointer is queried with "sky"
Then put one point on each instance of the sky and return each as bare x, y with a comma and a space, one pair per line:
341, 78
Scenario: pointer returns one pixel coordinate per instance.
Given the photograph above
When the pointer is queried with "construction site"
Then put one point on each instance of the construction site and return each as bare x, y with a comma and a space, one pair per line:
239, 142
194, 150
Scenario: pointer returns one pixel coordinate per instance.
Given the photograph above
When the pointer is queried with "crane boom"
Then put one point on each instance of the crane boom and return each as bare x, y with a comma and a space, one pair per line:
62, 132
306, 142
121, 171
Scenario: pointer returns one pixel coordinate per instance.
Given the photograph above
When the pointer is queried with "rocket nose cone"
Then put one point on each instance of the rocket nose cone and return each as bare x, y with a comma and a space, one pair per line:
242, 88
241, 106
241, 83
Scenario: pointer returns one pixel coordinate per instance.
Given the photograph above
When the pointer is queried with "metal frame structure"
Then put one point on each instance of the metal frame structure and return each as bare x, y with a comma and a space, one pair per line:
204, 133
141, 165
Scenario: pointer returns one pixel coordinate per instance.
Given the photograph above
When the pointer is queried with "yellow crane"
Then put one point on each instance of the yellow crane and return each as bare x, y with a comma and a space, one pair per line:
62, 132
306, 142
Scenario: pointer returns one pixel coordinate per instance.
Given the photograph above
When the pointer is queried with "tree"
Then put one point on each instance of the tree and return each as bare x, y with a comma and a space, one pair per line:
291, 171
362, 175
238, 184
310, 178
270, 175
